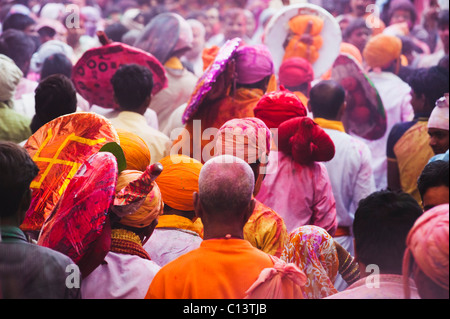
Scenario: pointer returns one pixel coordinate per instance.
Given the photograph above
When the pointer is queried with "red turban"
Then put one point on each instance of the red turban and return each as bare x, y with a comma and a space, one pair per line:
305, 141
295, 71
276, 107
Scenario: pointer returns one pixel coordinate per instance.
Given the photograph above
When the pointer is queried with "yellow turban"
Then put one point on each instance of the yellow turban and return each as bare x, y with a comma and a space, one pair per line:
178, 181
135, 149
381, 50
149, 210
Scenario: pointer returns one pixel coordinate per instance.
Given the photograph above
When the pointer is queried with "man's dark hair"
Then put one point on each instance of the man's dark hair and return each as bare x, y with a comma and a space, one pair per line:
18, 46
326, 98
443, 19
132, 84
381, 225
54, 96
355, 24
431, 82
116, 31
434, 174
57, 63
17, 171
18, 21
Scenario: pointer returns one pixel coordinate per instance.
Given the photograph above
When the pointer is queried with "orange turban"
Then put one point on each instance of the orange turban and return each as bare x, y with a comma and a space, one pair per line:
151, 208
179, 180
135, 149
381, 50
300, 25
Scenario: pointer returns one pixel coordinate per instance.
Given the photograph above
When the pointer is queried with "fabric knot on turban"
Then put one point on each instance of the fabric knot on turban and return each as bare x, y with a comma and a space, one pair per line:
381, 50
277, 107
253, 64
305, 141
295, 71
135, 149
427, 243
151, 207
179, 180
246, 138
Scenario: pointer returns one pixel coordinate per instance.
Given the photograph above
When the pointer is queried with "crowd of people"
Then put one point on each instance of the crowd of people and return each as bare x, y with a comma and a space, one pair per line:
166, 149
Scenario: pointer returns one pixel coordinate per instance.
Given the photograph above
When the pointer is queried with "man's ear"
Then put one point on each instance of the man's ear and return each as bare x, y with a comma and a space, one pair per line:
249, 210
197, 205
24, 205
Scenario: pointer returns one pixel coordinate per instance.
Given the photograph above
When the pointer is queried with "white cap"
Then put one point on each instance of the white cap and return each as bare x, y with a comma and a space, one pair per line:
439, 117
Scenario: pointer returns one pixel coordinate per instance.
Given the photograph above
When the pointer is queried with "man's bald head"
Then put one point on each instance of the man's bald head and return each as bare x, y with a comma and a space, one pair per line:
326, 99
226, 186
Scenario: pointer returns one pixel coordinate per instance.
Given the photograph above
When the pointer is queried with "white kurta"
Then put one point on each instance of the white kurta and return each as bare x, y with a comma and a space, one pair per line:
167, 244
122, 277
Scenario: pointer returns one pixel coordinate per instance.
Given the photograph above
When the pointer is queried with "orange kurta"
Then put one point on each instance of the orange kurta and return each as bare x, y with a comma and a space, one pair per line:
218, 269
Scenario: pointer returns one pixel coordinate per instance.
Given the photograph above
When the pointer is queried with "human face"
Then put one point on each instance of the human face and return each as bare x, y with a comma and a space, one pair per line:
435, 196
359, 38
400, 16
439, 140
235, 27
443, 34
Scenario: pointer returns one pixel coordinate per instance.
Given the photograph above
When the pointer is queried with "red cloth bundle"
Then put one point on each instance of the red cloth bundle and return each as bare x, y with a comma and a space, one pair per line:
305, 141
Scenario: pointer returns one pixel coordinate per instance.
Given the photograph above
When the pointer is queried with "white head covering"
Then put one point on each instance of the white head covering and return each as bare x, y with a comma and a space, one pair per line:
10, 76
47, 49
439, 117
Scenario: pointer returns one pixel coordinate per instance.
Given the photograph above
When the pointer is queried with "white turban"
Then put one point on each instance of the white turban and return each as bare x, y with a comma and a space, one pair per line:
439, 117
10, 76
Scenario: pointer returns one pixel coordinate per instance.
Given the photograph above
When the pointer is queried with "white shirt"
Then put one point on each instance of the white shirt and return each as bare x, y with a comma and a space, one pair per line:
350, 173
167, 244
396, 97
122, 277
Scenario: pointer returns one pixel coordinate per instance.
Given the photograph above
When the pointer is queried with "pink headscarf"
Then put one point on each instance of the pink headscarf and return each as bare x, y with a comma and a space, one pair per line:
246, 138
427, 243
253, 63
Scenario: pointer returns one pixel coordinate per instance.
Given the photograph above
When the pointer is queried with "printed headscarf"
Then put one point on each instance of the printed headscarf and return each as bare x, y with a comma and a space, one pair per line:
427, 243
151, 207
312, 249
247, 138
277, 107
179, 180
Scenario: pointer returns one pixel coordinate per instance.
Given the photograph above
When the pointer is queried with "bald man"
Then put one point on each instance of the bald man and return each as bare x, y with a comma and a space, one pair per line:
225, 265
350, 170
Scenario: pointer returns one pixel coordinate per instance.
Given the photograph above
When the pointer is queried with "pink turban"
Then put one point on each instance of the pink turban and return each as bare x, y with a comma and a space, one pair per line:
427, 243
295, 71
276, 107
246, 138
439, 117
305, 141
253, 64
